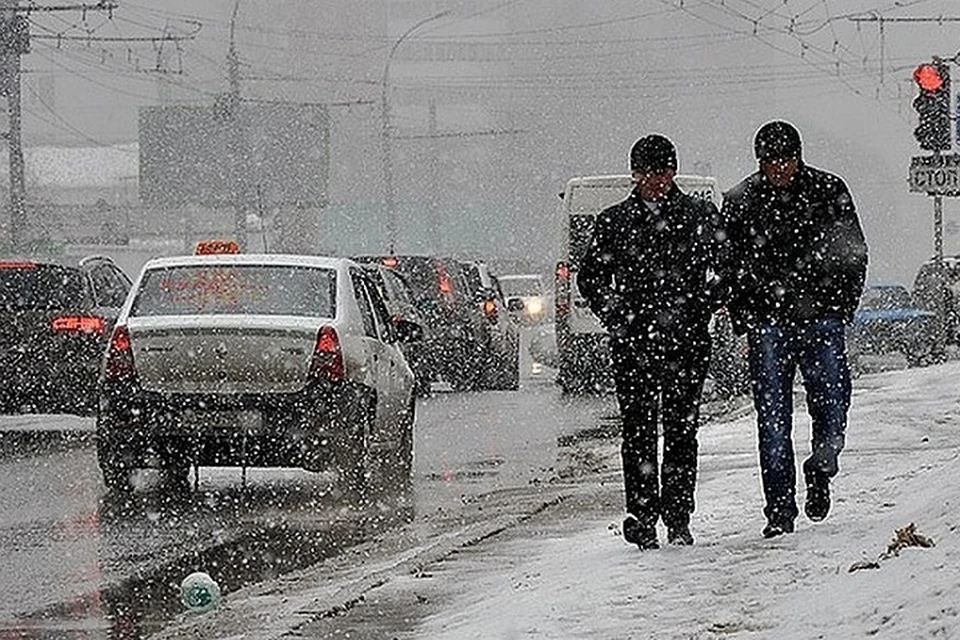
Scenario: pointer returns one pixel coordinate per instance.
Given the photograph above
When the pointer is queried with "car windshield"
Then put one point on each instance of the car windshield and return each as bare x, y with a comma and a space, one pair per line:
885, 298
237, 289
34, 287
521, 285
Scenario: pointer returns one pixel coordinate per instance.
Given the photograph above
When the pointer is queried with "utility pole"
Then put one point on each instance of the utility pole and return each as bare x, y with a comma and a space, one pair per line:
14, 43
386, 133
238, 150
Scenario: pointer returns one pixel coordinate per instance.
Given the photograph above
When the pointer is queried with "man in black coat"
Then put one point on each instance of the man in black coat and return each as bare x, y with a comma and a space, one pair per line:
796, 261
646, 275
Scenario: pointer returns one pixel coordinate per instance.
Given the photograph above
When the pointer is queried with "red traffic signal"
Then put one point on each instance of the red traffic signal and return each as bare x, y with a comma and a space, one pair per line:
928, 77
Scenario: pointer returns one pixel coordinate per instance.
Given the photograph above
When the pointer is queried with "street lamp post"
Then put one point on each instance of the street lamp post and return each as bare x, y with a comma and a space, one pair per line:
385, 134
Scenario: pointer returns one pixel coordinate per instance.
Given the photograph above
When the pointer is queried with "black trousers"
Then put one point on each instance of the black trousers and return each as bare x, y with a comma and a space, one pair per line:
660, 379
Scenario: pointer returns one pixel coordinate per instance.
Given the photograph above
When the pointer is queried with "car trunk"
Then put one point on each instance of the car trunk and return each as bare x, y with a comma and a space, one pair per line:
223, 354
44, 316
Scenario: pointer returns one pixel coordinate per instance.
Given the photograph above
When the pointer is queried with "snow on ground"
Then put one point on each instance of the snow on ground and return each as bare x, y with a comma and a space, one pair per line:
574, 577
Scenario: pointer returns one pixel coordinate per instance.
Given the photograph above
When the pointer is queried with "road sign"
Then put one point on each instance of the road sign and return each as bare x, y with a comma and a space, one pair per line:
937, 175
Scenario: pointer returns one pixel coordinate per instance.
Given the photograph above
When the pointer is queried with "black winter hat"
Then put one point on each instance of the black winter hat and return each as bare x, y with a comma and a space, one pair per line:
777, 139
653, 153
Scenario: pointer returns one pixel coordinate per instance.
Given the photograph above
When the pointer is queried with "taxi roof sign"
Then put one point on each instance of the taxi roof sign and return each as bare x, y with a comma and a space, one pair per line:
217, 248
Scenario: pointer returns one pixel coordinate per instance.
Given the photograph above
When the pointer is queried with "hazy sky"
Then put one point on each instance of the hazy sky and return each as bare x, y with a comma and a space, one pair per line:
498, 102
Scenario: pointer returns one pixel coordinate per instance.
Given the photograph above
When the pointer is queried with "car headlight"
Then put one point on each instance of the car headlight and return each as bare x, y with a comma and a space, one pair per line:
534, 307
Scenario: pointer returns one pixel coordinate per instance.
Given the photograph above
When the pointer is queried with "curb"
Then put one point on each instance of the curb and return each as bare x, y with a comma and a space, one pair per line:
274, 615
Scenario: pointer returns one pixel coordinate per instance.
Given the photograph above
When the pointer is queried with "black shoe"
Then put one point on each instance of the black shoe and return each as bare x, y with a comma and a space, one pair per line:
679, 536
817, 505
776, 528
644, 536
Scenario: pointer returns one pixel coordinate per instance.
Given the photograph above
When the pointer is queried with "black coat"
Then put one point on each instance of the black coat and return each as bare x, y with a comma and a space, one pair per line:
649, 274
794, 255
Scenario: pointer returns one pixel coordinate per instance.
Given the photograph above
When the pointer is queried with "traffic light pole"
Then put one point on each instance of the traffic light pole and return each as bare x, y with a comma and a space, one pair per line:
942, 298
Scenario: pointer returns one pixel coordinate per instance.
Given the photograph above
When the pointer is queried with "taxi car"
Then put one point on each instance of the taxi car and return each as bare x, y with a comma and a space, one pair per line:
255, 360
55, 319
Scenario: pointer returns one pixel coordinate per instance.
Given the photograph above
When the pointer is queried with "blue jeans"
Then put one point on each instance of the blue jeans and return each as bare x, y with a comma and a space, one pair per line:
775, 352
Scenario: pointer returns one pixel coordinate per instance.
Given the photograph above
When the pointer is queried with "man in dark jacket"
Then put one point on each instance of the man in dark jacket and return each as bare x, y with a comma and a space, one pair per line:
646, 276
796, 261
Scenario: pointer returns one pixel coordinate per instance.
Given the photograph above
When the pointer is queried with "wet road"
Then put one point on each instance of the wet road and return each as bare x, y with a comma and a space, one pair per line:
72, 565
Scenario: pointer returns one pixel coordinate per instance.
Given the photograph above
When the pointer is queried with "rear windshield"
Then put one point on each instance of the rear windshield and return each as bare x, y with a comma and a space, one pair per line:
237, 289
521, 286
35, 287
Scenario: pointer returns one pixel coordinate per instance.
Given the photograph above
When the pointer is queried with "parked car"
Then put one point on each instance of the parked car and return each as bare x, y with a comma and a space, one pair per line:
502, 338
945, 300
455, 338
399, 299
526, 297
256, 360
888, 321
729, 362
55, 319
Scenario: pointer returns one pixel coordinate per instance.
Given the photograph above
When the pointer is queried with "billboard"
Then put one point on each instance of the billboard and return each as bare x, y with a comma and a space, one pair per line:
195, 155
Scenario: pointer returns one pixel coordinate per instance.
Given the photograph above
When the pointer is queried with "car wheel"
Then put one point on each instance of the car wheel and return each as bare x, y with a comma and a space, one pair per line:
116, 470
353, 456
8, 404
175, 470
467, 375
921, 355
505, 374
116, 463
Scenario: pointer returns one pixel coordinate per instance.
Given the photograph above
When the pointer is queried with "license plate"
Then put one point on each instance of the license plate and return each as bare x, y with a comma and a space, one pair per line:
223, 421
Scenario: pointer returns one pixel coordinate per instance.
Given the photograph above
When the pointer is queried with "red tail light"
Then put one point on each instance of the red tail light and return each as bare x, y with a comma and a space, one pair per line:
120, 356
328, 356
17, 264
446, 286
80, 324
490, 310
563, 272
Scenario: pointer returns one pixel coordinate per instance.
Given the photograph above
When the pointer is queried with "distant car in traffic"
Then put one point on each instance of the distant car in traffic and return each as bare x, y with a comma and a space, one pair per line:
454, 336
526, 297
55, 319
256, 360
946, 298
888, 321
399, 298
502, 343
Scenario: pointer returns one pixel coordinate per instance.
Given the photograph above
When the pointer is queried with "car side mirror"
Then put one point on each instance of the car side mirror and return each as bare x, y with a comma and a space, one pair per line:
408, 332
515, 305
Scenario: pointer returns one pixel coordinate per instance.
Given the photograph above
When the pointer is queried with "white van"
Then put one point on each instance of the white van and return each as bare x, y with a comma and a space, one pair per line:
582, 351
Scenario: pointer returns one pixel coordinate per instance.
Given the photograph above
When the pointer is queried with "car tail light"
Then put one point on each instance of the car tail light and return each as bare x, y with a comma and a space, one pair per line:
490, 310
446, 286
17, 264
328, 356
120, 356
80, 324
563, 272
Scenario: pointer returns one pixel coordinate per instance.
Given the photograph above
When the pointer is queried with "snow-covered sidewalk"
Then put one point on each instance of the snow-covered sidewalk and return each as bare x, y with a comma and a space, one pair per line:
554, 565
573, 577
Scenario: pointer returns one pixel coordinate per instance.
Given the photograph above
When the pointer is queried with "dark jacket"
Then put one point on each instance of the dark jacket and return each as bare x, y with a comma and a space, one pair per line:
794, 255
648, 274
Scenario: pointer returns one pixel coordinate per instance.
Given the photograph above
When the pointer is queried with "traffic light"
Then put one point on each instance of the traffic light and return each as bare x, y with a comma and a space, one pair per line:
933, 106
